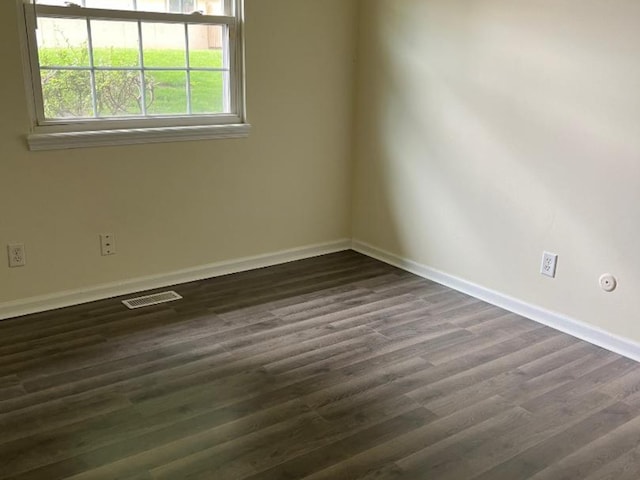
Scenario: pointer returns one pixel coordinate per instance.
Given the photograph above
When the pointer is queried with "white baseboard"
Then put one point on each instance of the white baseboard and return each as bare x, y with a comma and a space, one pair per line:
581, 330
75, 297
563, 323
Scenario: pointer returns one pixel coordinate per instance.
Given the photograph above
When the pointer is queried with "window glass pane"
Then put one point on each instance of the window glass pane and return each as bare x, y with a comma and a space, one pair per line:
154, 6
166, 92
118, 93
62, 42
182, 6
207, 92
206, 46
115, 44
164, 45
57, 3
106, 68
215, 7
67, 93
207, 7
107, 4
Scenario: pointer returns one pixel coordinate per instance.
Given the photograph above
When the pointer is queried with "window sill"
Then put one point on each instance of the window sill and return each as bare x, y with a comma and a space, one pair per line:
103, 138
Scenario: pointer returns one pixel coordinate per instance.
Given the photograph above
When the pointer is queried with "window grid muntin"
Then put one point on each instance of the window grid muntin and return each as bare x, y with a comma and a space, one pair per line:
187, 62
226, 78
168, 5
170, 126
143, 79
98, 68
107, 14
228, 95
92, 74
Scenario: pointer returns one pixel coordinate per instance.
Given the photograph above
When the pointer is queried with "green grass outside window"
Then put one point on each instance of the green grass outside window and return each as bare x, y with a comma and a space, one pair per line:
68, 93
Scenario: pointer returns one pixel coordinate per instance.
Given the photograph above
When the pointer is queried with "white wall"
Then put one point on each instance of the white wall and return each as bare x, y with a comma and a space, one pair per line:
180, 205
489, 130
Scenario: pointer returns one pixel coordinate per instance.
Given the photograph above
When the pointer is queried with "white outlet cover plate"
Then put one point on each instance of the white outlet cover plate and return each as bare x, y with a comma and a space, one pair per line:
549, 264
107, 244
16, 253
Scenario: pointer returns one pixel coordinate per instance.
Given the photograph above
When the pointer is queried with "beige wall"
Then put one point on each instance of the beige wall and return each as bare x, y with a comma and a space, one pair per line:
486, 131
490, 130
180, 205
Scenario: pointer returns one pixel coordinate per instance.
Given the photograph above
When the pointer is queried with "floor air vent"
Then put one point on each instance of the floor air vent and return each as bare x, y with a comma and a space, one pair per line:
154, 299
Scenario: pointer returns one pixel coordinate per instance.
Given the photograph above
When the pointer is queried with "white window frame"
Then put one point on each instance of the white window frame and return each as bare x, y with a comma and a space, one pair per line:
49, 134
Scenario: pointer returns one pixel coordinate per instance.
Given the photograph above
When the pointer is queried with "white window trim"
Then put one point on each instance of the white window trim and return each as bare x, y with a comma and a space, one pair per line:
61, 134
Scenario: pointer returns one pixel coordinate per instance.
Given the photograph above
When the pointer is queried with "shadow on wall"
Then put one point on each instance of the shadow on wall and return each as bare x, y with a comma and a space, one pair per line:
473, 144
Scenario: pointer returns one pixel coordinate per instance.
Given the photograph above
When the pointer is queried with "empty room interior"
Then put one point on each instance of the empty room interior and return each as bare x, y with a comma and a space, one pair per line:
303, 239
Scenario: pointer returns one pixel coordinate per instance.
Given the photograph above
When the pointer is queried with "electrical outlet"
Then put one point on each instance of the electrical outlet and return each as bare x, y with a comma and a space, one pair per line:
16, 254
107, 244
549, 264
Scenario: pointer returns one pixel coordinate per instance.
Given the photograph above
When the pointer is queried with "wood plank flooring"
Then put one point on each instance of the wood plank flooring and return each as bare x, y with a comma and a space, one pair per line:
336, 367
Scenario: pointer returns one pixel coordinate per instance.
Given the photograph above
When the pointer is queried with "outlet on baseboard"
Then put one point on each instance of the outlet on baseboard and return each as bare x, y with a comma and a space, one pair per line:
107, 244
17, 257
549, 264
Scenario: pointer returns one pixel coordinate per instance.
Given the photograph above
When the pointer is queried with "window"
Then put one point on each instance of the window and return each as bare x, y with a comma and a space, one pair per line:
182, 6
106, 72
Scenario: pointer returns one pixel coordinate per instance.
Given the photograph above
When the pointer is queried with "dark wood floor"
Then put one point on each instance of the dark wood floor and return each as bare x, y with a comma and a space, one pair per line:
337, 367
